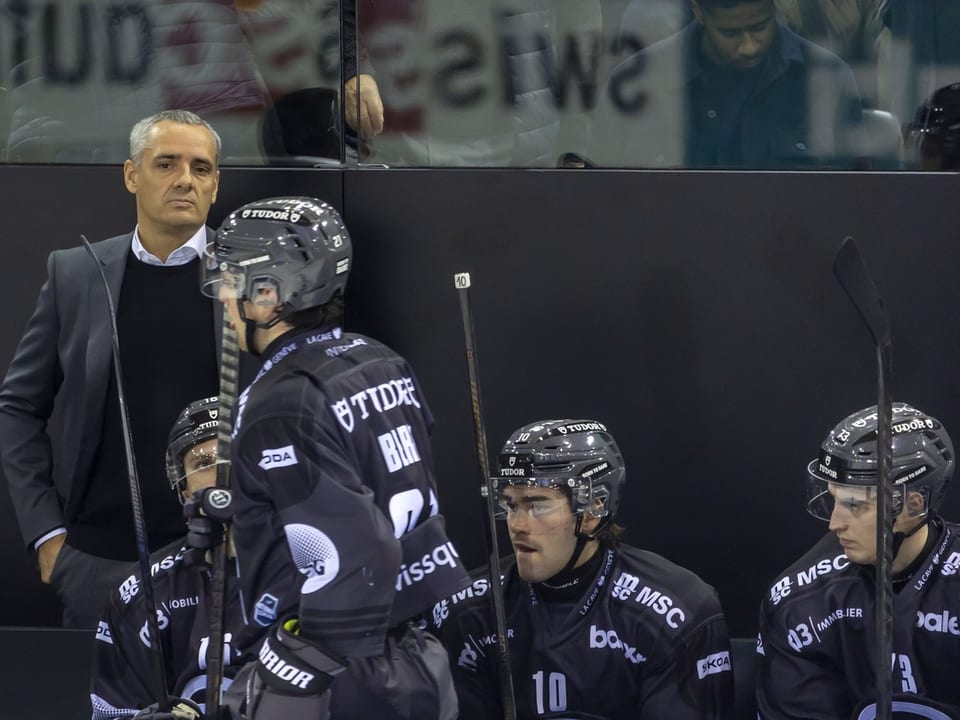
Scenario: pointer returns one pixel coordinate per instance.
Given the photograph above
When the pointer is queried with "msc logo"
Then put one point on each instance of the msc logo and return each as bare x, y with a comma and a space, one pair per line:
713, 664
600, 639
951, 564
626, 585
128, 589
278, 457
942, 622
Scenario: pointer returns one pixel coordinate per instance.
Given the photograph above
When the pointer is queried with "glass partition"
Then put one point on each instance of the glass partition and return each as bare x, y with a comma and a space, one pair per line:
77, 74
705, 84
718, 84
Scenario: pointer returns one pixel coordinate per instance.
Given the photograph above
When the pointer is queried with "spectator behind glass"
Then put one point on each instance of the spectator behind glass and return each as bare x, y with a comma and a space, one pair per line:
733, 89
922, 54
91, 70
297, 45
848, 28
932, 140
72, 501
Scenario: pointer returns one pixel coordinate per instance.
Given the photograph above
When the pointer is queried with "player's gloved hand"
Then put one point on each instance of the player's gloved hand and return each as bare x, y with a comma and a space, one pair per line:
289, 679
207, 514
182, 709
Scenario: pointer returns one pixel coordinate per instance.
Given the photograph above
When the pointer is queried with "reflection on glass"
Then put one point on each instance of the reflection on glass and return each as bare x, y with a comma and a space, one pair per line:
82, 72
741, 84
734, 88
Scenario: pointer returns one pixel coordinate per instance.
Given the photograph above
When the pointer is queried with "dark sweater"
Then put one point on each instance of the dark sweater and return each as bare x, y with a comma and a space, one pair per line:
168, 360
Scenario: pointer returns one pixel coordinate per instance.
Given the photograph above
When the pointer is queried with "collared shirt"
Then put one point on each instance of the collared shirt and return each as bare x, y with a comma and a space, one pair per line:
192, 248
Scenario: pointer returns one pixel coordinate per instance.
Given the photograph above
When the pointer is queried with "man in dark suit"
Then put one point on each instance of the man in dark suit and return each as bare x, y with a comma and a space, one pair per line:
70, 492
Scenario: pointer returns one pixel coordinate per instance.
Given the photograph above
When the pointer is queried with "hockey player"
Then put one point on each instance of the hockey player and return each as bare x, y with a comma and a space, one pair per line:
596, 629
816, 646
333, 479
122, 674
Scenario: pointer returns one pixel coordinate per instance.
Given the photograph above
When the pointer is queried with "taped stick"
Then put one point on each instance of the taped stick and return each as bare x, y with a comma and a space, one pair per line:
229, 379
136, 497
461, 281
853, 276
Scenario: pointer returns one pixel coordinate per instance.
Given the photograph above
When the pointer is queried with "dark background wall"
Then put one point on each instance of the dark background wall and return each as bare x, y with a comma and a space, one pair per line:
695, 314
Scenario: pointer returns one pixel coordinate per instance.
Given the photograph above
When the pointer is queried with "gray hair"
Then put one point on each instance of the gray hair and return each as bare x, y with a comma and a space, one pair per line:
140, 134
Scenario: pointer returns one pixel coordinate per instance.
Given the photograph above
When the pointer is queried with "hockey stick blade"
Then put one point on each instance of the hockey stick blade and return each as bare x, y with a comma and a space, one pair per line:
851, 272
136, 502
461, 281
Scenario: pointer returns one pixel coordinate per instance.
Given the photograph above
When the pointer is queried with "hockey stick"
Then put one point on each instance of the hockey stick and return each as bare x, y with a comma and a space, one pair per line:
851, 272
229, 363
136, 501
461, 281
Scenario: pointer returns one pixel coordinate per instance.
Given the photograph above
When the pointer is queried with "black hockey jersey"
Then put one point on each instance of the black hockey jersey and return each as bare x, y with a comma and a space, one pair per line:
647, 641
816, 646
333, 478
123, 678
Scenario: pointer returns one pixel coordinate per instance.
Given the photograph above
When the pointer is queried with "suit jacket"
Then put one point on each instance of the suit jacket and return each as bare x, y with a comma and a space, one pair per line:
65, 354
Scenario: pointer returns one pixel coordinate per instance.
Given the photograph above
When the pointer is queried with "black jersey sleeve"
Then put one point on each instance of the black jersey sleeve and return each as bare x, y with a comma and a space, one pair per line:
792, 685
695, 682
302, 504
122, 664
470, 640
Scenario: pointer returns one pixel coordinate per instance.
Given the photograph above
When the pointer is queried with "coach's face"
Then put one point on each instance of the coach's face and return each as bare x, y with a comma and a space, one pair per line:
176, 180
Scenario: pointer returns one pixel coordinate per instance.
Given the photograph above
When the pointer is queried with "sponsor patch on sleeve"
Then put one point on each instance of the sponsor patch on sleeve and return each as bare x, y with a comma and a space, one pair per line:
713, 664
272, 458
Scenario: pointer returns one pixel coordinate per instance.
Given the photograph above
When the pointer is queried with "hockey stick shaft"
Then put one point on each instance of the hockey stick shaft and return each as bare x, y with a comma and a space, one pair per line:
462, 284
852, 273
229, 372
136, 499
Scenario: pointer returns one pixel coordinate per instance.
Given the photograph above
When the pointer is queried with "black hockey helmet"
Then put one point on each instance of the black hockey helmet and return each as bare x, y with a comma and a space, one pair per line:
296, 246
197, 423
923, 459
932, 140
579, 456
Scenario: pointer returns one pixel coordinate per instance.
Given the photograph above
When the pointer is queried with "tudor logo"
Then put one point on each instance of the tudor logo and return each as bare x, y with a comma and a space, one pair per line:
827, 459
513, 460
213, 413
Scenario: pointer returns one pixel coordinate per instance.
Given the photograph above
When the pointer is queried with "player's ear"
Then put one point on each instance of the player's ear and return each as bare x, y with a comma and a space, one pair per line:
916, 503
590, 521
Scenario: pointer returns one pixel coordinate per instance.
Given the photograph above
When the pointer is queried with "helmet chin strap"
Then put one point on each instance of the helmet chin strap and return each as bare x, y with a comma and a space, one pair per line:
582, 540
900, 537
251, 326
